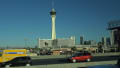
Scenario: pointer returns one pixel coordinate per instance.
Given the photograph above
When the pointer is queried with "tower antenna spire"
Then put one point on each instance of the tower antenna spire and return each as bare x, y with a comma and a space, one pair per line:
52, 3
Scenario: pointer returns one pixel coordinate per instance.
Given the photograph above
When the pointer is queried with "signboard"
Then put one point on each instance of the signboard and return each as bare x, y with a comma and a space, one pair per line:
14, 52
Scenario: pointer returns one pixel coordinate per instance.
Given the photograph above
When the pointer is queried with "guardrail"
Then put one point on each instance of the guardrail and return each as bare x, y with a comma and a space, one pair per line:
94, 54
64, 56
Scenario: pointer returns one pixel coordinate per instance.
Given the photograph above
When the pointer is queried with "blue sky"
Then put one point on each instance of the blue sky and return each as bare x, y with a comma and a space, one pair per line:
29, 19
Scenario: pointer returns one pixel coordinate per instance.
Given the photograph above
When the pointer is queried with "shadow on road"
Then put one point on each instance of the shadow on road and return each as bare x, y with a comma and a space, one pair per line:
49, 61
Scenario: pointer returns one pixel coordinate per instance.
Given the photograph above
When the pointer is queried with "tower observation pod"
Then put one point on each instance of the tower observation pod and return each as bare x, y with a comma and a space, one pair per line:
53, 17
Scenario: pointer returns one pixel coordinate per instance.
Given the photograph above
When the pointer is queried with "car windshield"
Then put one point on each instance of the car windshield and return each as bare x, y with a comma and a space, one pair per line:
1, 53
77, 54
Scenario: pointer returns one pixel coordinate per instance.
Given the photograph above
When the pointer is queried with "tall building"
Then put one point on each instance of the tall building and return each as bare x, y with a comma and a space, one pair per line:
102, 40
73, 38
53, 17
81, 40
55, 42
108, 41
115, 37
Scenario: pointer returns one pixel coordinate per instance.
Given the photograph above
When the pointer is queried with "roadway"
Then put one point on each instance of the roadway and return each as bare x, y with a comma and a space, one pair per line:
50, 61
61, 60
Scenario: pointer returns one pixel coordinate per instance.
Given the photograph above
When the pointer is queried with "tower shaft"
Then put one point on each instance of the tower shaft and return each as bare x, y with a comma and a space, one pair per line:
53, 27
53, 17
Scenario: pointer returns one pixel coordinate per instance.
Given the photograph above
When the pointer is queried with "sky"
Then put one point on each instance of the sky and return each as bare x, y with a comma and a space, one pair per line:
23, 21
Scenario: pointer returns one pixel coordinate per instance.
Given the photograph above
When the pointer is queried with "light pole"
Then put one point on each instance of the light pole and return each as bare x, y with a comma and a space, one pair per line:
33, 38
25, 39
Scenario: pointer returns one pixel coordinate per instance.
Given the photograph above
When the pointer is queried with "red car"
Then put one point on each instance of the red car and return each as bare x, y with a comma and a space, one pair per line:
80, 57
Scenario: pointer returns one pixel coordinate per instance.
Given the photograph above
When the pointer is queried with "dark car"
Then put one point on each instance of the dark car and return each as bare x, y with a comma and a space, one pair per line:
118, 62
25, 60
79, 57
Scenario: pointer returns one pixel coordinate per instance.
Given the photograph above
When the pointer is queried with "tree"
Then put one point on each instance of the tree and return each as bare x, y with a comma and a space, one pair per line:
100, 47
73, 48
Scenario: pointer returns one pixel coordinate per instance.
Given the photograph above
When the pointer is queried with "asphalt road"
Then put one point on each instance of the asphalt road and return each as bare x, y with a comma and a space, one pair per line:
61, 60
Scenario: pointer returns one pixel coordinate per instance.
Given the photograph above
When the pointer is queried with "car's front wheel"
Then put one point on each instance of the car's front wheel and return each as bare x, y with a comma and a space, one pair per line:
28, 64
88, 60
7, 66
73, 60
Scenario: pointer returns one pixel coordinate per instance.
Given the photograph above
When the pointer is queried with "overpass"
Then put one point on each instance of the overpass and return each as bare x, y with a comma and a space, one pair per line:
114, 27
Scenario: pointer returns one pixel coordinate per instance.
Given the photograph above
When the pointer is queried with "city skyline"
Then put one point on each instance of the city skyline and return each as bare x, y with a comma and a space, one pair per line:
30, 19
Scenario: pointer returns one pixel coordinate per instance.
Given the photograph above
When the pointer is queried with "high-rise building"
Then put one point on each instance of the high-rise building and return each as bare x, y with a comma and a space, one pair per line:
73, 38
102, 40
81, 40
108, 41
115, 37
